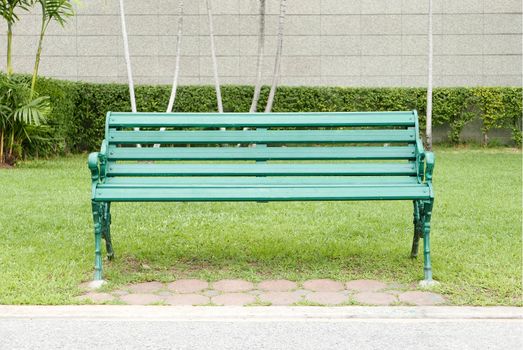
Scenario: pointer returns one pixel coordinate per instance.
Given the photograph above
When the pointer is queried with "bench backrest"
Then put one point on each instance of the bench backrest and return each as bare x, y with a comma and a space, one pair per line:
382, 143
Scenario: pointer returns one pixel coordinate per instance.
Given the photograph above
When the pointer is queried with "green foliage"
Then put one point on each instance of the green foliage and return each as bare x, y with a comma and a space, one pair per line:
79, 108
21, 117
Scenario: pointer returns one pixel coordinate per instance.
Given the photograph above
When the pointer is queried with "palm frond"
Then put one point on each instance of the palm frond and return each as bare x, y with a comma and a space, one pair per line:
33, 113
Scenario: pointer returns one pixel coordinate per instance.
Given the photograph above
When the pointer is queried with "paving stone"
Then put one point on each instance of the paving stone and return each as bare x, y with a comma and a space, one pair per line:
302, 292
234, 299
395, 285
187, 299
327, 298
141, 299
119, 292
211, 293
277, 285
323, 285
188, 286
375, 298
366, 285
281, 298
96, 297
233, 286
421, 298
145, 287
165, 294
393, 291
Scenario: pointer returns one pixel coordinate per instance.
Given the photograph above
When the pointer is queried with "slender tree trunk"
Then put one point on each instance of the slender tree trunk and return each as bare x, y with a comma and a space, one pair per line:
9, 48
172, 99
277, 62
214, 60
259, 63
429, 89
38, 55
2, 146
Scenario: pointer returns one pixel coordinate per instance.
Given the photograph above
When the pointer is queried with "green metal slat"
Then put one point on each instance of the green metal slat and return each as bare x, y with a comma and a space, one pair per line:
261, 169
250, 136
257, 153
295, 181
326, 119
263, 194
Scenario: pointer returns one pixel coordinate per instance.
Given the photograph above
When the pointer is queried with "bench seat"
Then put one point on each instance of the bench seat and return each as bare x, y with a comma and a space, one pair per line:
184, 157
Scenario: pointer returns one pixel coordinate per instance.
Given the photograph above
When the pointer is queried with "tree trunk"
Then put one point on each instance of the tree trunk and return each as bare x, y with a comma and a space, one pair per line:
172, 99
429, 89
259, 63
214, 60
277, 62
9, 48
38, 55
2, 146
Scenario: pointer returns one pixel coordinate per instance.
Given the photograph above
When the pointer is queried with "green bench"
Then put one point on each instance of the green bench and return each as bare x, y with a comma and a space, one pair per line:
261, 158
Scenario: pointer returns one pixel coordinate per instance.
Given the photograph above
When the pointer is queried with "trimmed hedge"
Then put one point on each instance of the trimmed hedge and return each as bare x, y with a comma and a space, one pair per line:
79, 108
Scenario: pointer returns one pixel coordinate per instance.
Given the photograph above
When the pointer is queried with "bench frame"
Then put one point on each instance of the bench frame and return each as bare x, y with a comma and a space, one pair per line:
422, 213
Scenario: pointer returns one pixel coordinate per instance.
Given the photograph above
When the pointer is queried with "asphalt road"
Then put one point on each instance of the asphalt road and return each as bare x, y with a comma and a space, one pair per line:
260, 328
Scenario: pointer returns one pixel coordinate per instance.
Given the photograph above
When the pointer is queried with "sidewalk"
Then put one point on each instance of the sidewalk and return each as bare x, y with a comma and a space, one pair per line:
232, 327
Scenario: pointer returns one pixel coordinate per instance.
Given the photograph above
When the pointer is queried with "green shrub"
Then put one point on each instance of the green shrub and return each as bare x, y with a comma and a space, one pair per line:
79, 108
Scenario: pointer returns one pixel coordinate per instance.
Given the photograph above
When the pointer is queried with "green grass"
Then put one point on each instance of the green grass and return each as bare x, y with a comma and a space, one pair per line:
47, 241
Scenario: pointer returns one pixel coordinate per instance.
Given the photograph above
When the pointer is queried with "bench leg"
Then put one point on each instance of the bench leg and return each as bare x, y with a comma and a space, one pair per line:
418, 229
98, 221
427, 213
106, 230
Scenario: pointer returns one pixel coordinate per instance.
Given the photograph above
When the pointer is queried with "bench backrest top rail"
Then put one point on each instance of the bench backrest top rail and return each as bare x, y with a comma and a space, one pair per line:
231, 120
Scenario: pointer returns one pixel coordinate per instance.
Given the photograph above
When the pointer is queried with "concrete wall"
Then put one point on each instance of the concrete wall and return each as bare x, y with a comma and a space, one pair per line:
327, 42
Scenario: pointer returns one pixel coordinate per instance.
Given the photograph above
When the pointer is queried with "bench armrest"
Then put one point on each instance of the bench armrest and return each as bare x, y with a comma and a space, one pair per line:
96, 163
92, 163
429, 166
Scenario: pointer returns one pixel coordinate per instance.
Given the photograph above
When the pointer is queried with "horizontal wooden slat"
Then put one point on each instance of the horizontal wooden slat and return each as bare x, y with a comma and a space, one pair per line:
261, 169
128, 120
263, 194
259, 136
258, 153
233, 181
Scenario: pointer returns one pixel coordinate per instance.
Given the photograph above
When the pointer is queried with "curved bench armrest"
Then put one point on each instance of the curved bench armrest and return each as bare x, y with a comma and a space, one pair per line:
429, 166
92, 162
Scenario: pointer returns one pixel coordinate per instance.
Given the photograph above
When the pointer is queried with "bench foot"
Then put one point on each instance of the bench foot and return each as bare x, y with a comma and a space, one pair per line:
96, 284
428, 284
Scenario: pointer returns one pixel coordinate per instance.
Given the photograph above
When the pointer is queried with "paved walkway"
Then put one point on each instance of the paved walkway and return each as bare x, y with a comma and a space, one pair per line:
184, 327
273, 292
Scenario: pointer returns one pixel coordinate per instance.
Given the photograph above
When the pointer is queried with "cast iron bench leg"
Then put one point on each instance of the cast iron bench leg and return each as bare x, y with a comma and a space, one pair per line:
106, 230
97, 218
427, 211
418, 229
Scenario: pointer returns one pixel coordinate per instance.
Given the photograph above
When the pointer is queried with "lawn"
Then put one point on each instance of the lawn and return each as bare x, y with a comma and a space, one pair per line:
47, 241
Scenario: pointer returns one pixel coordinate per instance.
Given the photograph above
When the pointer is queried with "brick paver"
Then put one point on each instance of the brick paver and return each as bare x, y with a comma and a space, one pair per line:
366, 285
232, 286
275, 292
145, 287
234, 299
188, 286
187, 299
141, 299
421, 298
96, 297
281, 298
323, 285
375, 298
277, 285
328, 298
